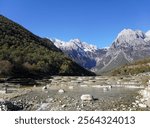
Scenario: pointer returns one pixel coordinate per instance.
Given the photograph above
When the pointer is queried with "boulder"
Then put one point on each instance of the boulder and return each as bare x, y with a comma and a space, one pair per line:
87, 97
34, 86
44, 88
10, 106
2, 92
70, 87
105, 89
83, 85
142, 105
61, 91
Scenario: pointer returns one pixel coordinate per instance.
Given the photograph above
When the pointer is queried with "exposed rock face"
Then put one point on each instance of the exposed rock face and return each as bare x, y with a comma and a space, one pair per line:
129, 46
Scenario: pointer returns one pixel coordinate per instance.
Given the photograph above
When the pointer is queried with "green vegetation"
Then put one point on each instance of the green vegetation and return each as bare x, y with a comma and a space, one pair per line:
140, 66
24, 54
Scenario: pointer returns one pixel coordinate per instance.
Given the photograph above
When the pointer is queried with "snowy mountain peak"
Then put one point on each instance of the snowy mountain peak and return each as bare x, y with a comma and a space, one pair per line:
75, 40
75, 44
129, 38
147, 33
129, 34
83, 53
83, 45
130, 45
125, 32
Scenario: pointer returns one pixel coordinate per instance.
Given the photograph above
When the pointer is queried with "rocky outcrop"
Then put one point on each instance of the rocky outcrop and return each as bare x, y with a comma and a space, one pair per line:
10, 106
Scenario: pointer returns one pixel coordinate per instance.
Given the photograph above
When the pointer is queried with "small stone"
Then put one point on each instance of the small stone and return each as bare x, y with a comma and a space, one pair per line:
105, 89
2, 100
43, 107
86, 97
2, 92
83, 85
63, 106
61, 91
137, 101
49, 100
70, 87
110, 87
142, 100
44, 88
34, 86
142, 105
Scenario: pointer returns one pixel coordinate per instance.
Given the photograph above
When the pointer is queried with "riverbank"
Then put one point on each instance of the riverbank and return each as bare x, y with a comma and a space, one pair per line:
145, 93
64, 94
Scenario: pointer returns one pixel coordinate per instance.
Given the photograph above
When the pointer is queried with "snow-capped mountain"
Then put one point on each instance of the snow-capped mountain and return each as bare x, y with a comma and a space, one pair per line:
147, 36
81, 52
75, 44
129, 46
147, 33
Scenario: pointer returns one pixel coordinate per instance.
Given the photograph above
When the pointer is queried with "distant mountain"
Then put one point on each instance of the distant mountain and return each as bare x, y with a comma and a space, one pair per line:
82, 53
24, 54
128, 47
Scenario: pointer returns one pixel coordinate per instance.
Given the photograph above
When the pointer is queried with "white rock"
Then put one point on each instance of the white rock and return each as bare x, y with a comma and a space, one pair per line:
137, 101
43, 107
142, 105
49, 100
149, 82
142, 100
61, 91
97, 86
109, 86
44, 88
34, 86
2, 92
83, 85
70, 87
63, 106
105, 89
2, 100
86, 97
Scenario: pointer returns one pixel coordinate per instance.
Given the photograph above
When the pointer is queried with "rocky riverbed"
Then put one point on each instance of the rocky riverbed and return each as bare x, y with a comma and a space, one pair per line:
77, 94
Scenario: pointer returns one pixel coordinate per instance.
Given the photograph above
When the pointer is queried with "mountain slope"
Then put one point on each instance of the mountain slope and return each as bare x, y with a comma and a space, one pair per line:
82, 53
25, 54
137, 67
131, 45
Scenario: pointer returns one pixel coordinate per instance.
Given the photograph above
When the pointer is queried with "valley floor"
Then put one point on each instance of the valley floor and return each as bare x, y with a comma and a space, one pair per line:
101, 93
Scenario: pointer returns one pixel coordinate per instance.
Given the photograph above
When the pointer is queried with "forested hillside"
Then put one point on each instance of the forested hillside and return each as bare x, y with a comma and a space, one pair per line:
24, 54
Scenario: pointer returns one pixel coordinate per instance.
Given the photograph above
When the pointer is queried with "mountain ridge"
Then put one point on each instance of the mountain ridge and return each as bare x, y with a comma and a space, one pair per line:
129, 45
135, 45
82, 53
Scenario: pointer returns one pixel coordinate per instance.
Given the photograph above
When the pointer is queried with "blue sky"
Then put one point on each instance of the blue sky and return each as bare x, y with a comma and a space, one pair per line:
95, 21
